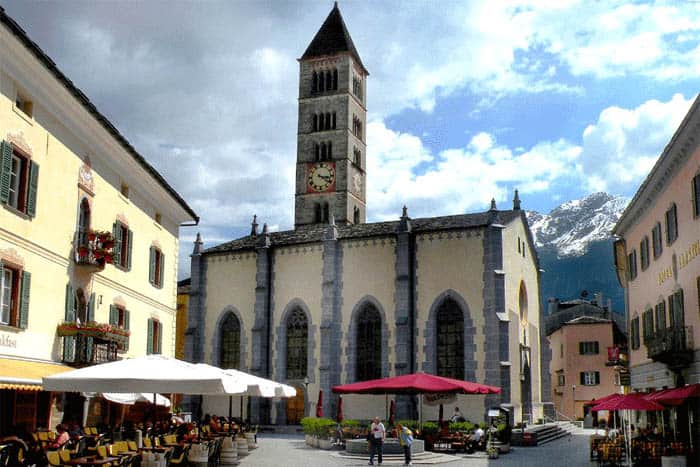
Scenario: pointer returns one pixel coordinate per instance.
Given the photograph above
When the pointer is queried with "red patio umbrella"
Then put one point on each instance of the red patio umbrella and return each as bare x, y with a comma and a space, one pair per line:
416, 383
392, 412
600, 400
339, 416
319, 405
628, 402
675, 396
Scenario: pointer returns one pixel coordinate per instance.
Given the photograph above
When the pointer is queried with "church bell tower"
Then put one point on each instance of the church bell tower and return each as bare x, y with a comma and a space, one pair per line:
331, 149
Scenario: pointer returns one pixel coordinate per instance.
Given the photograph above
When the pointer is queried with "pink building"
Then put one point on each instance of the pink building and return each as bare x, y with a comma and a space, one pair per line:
582, 367
658, 262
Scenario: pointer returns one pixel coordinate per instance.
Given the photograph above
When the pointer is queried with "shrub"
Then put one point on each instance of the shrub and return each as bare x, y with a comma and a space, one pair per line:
462, 426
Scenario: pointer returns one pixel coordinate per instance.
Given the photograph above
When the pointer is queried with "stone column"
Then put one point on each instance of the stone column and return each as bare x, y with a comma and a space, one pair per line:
259, 409
331, 320
196, 316
404, 281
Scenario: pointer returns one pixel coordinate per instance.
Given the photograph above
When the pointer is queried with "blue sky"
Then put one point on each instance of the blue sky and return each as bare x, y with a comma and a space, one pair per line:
467, 100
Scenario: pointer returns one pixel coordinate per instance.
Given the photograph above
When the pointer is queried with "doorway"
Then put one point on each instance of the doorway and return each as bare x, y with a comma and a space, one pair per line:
295, 407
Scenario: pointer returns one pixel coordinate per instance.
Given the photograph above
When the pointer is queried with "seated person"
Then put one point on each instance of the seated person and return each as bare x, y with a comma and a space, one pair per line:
62, 437
478, 438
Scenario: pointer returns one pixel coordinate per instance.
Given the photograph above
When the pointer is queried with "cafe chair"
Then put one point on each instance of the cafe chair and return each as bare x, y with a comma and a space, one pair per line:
180, 459
64, 455
54, 459
133, 447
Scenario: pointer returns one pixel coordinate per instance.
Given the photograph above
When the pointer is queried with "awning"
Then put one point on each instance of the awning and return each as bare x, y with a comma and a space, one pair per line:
25, 375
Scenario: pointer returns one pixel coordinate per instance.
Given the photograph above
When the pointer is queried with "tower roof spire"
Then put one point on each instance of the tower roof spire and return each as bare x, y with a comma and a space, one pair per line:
332, 38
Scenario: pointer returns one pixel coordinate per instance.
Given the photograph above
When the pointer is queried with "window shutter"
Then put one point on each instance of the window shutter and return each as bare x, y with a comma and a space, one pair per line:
89, 344
149, 337
160, 337
91, 308
580, 348
582, 376
70, 303
129, 242
161, 270
113, 315
24, 300
5, 168
69, 349
152, 266
116, 251
126, 326
32, 191
597, 377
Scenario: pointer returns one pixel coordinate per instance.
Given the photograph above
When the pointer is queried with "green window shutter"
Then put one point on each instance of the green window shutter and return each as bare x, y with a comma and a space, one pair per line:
129, 242
70, 303
126, 326
33, 186
89, 344
160, 337
580, 348
152, 266
113, 315
5, 168
91, 308
69, 349
583, 378
116, 250
149, 337
161, 270
24, 300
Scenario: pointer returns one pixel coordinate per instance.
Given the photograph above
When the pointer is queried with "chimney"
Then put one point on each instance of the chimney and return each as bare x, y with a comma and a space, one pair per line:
516, 202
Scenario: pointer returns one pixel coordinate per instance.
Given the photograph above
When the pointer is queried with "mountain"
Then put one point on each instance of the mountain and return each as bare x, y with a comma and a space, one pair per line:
574, 244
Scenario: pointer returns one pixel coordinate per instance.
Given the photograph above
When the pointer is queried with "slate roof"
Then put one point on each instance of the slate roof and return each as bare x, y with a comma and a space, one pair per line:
314, 233
332, 38
32, 46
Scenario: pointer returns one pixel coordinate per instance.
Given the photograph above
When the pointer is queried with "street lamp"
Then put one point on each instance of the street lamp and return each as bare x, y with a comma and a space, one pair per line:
573, 395
306, 393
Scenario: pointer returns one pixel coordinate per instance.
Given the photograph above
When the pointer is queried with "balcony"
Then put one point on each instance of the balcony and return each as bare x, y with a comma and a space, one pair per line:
93, 249
617, 357
672, 346
91, 343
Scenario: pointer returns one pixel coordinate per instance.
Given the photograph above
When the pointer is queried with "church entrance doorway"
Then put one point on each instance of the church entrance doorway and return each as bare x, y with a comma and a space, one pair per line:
295, 407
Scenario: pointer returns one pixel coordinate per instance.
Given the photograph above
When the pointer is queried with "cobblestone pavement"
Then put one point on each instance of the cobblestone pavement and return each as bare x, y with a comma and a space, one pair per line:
291, 451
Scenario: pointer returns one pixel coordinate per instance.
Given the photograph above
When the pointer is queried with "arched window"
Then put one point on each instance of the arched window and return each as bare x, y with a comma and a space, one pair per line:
450, 340
318, 215
328, 121
317, 151
314, 122
329, 80
335, 79
297, 339
321, 82
356, 215
369, 344
323, 151
230, 345
330, 150
314, 82
333, 121
84, 222
522, 303
326, 213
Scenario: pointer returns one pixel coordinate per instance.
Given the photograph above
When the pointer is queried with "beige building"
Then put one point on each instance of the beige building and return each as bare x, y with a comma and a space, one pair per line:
88, 236
657, 258
338, 300
589, 354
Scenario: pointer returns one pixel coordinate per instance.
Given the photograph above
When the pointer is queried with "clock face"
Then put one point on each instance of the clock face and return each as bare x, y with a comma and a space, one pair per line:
321, 176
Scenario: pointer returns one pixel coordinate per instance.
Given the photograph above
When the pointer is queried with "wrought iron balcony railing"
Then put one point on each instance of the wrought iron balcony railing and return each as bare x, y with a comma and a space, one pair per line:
93, 248
672, 346
92, 343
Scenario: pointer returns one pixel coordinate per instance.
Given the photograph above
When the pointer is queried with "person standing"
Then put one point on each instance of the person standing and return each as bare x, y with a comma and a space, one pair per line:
377, 435
405, 440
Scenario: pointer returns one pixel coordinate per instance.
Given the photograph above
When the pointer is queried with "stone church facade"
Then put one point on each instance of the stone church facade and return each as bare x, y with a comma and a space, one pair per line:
338, 300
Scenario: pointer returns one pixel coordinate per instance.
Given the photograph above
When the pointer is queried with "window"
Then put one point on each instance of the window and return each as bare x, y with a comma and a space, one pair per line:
368, 361
119, 316
660, 315
124, 190
322, 213
644, 252
323, 121
356, 127
297, 344
356, 215
155, 267
648, 325
14, 296
632, 265
230, 348
676, 309
357, 156
696, 195
154, 339
588, 348
561, 350
450, 340
123, 239
634, 333
590, 378
357, 87
19, 178
561, 381
656, 240
671, 225
23, 103
158, 218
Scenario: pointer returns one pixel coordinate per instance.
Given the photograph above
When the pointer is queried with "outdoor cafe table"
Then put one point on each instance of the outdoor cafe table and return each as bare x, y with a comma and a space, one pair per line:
91, 460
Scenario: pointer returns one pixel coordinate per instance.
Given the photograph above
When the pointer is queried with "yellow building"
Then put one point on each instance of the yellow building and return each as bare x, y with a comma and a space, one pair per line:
88, 236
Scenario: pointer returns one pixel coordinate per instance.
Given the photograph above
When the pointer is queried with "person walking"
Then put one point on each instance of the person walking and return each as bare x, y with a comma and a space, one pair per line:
377, 435
405, 440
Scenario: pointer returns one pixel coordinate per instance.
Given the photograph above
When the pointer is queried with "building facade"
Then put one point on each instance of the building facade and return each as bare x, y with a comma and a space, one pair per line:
88, 236
657, 262
339, 300
589, 354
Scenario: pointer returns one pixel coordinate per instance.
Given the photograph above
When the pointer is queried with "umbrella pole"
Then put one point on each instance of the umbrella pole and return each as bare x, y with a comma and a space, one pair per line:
690, 427
230, 411
420, 416
386, 406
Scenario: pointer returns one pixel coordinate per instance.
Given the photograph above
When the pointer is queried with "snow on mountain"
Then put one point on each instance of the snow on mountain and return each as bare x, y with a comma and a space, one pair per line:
572, 226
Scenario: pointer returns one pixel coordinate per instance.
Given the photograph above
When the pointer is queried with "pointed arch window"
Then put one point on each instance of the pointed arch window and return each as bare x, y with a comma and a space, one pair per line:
314, 82
369, 344
84, 222
230, 345
450, 340
321, 81
297, 344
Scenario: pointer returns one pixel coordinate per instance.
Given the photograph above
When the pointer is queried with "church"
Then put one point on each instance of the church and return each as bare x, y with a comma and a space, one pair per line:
338, 300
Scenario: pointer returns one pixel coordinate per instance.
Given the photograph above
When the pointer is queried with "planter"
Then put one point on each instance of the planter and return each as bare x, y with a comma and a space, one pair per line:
325, 444
315, 441
309, 440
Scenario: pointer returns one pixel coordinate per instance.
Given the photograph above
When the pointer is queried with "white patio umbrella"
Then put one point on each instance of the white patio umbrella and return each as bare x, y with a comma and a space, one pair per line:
148, 374
262, 387
130, 398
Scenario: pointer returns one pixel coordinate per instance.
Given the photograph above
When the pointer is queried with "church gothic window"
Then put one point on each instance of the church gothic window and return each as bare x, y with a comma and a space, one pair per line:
369, 344
230, 349
297, 339
450, 340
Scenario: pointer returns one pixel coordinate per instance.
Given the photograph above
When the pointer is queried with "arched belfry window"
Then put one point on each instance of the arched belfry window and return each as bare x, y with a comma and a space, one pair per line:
297, 344
230, 349
450, 340
369, 344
